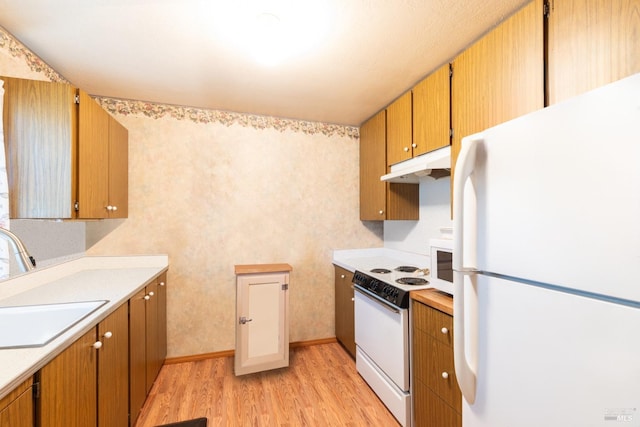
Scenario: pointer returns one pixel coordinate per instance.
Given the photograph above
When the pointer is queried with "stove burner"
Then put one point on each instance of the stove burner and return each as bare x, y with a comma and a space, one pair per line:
406, 269
380, 270
412, 281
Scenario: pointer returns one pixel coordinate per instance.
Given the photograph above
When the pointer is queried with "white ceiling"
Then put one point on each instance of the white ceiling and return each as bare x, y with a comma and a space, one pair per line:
176, 51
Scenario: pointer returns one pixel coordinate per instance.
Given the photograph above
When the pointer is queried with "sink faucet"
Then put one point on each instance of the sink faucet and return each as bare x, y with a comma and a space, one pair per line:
25, 261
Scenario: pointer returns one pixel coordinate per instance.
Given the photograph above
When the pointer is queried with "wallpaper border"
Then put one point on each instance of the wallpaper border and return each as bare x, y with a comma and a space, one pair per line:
227, 118
194, 114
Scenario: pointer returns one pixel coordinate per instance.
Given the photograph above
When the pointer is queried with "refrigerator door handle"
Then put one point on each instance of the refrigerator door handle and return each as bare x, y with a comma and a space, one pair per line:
464, 231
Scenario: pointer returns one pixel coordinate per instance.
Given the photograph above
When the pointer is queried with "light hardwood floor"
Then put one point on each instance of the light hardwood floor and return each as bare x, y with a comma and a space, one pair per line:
319, 388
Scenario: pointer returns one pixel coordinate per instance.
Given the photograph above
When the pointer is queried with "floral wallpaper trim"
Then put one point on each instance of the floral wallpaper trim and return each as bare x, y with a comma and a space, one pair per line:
18, 50
227, 118
197, 115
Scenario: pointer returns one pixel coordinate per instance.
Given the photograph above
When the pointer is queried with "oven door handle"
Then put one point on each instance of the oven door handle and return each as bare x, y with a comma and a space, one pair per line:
376, 299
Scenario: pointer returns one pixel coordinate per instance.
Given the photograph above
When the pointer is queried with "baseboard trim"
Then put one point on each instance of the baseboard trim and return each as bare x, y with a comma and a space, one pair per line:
230, 353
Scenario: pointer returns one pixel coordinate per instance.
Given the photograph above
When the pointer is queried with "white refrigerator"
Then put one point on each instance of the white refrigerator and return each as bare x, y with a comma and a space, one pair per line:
547, 266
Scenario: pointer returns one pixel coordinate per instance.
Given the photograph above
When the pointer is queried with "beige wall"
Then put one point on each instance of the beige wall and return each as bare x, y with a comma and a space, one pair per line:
214, 189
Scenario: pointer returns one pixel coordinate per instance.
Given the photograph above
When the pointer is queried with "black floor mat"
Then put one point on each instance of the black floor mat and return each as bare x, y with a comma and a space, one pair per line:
198, 422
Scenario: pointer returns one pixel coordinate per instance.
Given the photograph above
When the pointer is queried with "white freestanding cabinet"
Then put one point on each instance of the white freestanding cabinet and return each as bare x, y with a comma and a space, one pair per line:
262, 320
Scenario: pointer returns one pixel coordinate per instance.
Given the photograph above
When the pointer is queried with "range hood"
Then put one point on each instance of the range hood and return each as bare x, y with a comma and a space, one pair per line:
436, 163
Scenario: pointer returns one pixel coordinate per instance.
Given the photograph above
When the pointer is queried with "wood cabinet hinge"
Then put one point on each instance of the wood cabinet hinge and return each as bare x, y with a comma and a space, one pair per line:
285, 286
546, 9
36, 390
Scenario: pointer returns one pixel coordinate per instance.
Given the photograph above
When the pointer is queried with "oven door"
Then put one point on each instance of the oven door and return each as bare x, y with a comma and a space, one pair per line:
382, 333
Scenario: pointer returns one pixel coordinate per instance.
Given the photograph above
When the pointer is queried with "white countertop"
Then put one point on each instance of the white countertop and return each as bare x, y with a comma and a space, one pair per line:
115, 279
366, 259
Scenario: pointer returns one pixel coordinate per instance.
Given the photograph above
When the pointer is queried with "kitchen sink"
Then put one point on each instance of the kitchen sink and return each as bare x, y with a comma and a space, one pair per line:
36, 325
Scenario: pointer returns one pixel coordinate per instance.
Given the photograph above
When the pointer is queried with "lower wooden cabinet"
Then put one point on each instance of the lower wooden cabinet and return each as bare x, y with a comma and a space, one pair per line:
103, 378
437, 400
113, 369
148, 344
345, 328
87, 383
16, 409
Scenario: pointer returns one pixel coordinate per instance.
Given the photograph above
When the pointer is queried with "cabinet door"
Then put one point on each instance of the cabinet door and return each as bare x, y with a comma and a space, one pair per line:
137, 354
93, 161
399, 129
262, 331
118, 170
380, 200
16, 409
373, 164
345, 329
499, 77
162, 319
40, 130
113, 369
68, 386
432, 112
591, 43
153, 362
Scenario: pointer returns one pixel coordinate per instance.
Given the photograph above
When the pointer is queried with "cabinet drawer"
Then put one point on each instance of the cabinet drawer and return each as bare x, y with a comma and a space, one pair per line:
434, 322
433, 365
430, 410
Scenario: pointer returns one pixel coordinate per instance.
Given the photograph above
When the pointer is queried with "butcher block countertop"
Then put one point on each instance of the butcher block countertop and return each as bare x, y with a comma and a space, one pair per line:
115, 279
434, 298
262, 268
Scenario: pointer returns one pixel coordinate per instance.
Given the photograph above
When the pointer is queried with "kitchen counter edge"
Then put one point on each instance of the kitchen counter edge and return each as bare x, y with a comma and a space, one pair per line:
17, 365
434, 298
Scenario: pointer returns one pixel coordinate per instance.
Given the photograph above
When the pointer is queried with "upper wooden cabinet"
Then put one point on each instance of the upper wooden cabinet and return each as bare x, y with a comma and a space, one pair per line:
381, 200
66, 156
591, 43
432, 112
500, 77
399, 129
103, 163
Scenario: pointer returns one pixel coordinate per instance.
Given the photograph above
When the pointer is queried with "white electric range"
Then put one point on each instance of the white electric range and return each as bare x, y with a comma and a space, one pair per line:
382, 281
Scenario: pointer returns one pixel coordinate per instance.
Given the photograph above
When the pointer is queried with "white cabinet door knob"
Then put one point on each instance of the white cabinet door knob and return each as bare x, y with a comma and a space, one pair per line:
108, 334
445, 375
147, 297
109, 208
444, 331
406, 149
151, 294
381, 212
161, 283
342, 276
97, 345
414, 145
115, 208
